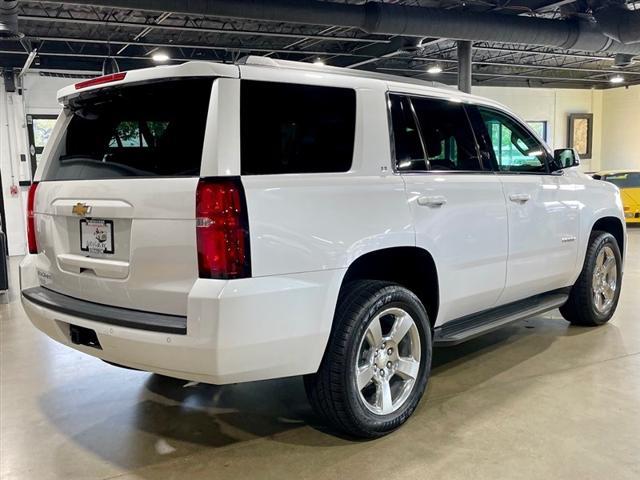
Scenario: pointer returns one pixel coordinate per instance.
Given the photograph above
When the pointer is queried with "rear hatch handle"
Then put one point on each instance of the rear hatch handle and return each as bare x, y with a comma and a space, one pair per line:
102, 267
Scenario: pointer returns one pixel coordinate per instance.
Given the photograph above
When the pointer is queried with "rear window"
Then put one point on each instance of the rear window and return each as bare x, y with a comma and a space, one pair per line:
290, 128
145, 130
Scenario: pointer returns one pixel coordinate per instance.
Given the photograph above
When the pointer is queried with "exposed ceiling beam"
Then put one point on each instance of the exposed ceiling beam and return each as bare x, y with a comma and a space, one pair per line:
398, 19
542, 6
197, 46
185, 28
565, 54
89, 55
146, 30
397, 47
309, 41
367, 58
489, 77
500, 75
534, 66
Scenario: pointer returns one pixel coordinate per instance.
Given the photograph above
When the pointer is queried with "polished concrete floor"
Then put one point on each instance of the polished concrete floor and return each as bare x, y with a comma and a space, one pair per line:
539, 400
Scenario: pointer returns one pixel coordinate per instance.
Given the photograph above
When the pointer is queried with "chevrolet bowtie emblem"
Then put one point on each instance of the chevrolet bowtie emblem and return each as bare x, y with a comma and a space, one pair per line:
81, 209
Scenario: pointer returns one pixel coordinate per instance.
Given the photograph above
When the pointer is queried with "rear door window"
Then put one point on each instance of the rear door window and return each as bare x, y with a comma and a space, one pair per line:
409, 154
144, 130
447, 135
292, 128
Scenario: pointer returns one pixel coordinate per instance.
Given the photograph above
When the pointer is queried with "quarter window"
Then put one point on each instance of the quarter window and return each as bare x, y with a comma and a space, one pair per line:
290, 128
514, 148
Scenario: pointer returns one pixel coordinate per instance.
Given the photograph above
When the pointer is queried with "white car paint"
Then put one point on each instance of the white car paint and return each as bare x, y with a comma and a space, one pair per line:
306, 230
467, 237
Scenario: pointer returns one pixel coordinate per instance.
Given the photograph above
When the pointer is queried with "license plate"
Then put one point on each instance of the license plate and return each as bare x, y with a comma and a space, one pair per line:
96, 236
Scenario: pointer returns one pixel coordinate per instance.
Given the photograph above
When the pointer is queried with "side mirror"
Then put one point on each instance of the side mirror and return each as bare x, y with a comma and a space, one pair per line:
565, 158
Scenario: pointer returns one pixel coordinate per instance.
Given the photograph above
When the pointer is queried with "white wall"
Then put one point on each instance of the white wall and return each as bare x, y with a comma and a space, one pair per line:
13, 143
39, 97
621, 128
554, 107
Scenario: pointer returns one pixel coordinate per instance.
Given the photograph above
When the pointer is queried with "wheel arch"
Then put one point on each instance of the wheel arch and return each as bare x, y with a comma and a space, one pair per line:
614, 226
410, 266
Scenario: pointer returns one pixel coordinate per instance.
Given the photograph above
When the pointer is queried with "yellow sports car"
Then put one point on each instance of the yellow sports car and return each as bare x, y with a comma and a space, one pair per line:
629, 183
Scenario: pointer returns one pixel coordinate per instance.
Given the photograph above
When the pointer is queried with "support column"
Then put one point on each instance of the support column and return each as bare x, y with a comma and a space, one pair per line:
464, 65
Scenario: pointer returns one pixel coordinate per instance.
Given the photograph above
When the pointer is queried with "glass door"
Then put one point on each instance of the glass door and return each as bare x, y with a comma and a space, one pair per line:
39, 128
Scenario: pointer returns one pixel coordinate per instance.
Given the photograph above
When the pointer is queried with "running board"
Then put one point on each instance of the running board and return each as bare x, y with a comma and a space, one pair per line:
471, 326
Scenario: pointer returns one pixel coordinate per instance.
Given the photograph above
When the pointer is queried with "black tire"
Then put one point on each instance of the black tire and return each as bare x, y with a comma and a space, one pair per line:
580, 309
332, 391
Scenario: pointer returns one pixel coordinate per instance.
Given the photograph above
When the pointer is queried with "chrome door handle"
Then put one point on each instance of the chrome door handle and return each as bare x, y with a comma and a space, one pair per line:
431, 200
520, 197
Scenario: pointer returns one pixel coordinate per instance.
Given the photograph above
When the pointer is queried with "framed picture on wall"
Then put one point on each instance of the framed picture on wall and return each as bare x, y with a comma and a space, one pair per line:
581, 133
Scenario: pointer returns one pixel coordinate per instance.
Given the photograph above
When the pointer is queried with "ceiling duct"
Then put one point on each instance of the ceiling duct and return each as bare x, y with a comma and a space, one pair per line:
410, 45
110, 65
620, 24
393, 19
622, 60
9, 20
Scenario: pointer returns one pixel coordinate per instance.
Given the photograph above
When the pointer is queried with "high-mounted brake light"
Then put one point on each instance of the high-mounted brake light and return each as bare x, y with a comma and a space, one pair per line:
31, 221
113, 77
222, 229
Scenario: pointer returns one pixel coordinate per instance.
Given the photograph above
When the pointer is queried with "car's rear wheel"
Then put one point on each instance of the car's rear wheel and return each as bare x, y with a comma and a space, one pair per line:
377, 363
594, 296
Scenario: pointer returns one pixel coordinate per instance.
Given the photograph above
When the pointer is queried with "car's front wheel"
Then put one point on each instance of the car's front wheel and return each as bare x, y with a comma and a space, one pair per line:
594, 296
377, 363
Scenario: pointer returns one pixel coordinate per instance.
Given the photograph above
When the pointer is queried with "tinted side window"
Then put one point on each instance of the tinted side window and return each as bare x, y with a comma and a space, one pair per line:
290, 128
447, 135
514, 148
409, 154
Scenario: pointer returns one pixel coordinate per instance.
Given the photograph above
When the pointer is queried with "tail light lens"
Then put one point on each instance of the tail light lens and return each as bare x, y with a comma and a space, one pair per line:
222, 229
31, 221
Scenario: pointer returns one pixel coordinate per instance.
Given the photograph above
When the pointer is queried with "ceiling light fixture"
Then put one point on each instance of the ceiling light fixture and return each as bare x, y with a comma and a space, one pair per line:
319, 62
617, 79
160, 57
435, 69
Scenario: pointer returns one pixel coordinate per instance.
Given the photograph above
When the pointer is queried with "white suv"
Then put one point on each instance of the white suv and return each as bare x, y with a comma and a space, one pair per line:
230, 223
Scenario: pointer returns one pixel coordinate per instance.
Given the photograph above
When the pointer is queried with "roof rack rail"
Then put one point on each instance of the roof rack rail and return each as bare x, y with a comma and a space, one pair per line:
352, 72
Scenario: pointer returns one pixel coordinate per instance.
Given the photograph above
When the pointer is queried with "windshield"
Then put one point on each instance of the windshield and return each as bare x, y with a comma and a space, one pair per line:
624, 180
145, 130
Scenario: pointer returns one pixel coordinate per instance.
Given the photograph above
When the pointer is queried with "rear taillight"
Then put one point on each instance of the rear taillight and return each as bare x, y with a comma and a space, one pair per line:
31, 221
222, 229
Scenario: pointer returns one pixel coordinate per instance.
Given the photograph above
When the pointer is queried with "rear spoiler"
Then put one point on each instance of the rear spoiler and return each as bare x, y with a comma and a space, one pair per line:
188, 69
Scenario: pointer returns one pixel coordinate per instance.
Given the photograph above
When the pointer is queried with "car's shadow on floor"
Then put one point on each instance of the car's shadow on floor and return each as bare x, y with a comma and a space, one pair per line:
133, 427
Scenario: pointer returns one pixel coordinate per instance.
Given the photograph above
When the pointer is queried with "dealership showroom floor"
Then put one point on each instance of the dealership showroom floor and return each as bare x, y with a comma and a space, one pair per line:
240, 244
538, 399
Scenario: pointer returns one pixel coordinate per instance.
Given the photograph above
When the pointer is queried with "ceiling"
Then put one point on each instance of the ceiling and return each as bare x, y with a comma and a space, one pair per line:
80, 36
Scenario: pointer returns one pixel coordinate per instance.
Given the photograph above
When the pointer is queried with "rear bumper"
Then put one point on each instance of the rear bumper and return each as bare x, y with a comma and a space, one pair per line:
236, 331
122, 317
